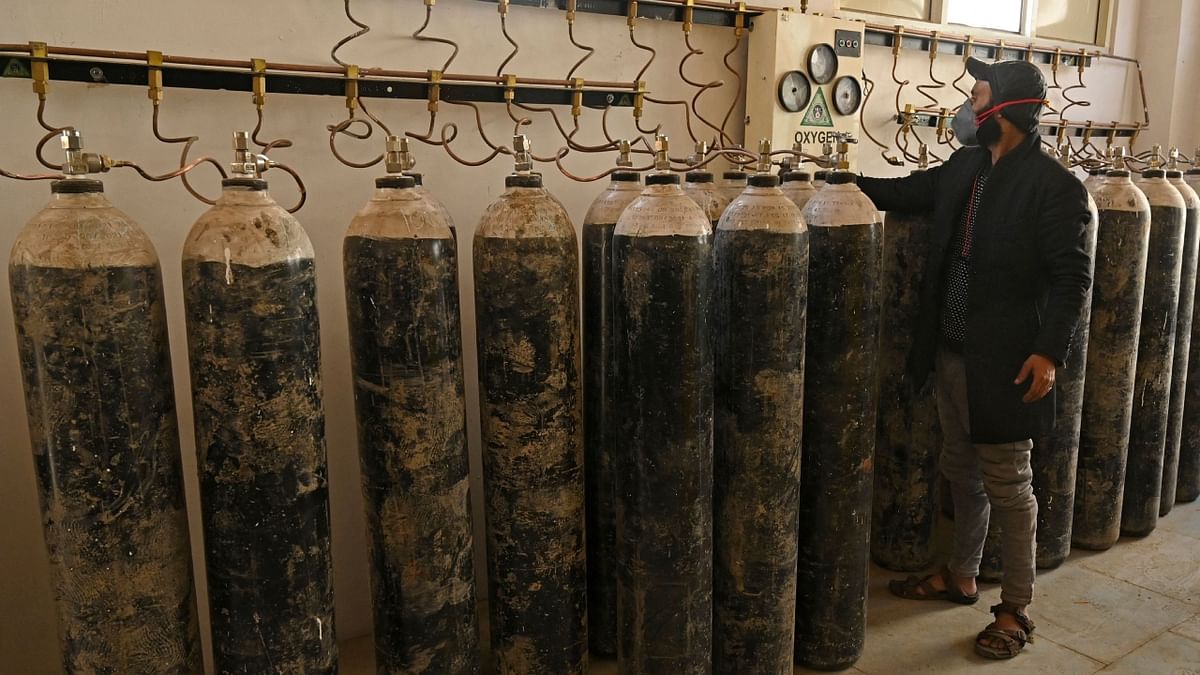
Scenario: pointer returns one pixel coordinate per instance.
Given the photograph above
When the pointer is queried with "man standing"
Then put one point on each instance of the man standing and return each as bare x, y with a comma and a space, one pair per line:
1001, 296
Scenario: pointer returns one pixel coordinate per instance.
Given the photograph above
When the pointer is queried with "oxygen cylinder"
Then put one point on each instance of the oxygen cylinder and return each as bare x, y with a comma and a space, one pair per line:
820, 177
1095, 179
249, 291
908, 441
1187, 487
797, 186
399, 160
1118, 281
425, 194
92, 342
733, 183
761, 301
700, 187
600, 408
527, 313
840, 405
1183, 341
406, 350
662, 292
1155, 356
1055, 456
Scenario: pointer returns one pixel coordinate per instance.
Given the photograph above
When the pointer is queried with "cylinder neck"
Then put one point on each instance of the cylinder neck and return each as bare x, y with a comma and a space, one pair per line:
76, 186
699, 177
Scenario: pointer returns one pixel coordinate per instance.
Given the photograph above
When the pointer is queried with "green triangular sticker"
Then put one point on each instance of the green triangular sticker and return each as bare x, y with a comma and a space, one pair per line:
15, 68
818, 112
625, 100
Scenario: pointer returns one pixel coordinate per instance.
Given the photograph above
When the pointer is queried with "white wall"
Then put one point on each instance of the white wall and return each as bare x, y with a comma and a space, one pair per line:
115, 120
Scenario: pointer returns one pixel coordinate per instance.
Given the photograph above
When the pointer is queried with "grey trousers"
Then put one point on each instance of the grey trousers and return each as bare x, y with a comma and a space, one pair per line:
986, 481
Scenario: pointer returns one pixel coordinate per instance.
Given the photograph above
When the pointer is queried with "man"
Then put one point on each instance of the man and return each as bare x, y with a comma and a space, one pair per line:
1001, 296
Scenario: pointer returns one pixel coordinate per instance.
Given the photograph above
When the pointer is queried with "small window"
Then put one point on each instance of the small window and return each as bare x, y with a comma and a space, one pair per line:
1072, 20
907, 9
1002, 15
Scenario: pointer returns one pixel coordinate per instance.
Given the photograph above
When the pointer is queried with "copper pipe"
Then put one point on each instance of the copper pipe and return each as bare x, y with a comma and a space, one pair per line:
737, 42
299, 184
344, 127
363, 30
32, 176
245, 66
417, 36
590, 50
52, 132
692, 51
516, 47
449, 151
188, 142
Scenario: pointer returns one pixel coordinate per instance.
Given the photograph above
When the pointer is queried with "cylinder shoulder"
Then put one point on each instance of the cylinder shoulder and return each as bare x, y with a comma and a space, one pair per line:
1120, 196
400, 219
664, 211
248, 234
80, 232
770, 212
836, 205
525, 213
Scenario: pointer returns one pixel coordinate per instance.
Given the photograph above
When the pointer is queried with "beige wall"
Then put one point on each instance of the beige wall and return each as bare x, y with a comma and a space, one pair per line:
115, 120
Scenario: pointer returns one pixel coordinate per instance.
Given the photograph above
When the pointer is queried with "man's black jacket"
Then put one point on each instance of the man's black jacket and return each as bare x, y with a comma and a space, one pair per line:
1030, 273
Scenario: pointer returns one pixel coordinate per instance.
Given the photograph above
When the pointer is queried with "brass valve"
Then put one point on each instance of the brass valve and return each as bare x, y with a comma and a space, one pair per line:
522, 158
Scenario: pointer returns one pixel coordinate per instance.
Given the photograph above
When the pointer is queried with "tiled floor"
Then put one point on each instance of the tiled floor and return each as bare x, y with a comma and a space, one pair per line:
1134, 610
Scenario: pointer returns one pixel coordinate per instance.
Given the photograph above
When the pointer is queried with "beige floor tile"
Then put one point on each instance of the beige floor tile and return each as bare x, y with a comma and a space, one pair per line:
1189, 629
1183, 519
1168, 654
938, 638
1164, 562
1096, 615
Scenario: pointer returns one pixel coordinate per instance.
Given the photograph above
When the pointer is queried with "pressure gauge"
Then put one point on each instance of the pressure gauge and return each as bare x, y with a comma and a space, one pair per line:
794, 91
822, 63
847, 95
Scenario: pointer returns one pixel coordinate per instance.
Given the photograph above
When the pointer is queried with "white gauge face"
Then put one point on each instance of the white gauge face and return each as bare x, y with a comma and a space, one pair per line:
822, 63
847, 95
794, 91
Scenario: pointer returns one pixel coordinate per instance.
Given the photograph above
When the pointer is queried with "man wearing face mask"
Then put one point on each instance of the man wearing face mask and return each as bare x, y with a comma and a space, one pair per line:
1002, 292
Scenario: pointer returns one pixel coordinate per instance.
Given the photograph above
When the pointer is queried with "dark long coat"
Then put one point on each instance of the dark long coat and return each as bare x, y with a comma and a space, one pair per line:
1030, 274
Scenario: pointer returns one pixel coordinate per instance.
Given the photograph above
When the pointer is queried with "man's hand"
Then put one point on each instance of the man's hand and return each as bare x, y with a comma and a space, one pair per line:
1042, 371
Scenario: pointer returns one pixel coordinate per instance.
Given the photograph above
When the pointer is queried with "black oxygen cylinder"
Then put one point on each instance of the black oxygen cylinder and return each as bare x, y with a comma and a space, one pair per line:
1122, 242
600, 408
527, 313
820, 178
249, 289
1055, 456
840, 406
797, 186
1183, 341
700, 187
733, 184
761, 304
91, 335
1155, 356
1187, 486
662, 288
908, 441
401, 268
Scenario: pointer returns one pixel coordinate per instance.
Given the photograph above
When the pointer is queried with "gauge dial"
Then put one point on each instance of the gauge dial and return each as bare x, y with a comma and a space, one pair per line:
822, 63
794, 91
847, 95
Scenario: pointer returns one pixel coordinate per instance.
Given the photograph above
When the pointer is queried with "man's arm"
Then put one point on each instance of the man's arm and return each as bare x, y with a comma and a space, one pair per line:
912, 194
1062, 235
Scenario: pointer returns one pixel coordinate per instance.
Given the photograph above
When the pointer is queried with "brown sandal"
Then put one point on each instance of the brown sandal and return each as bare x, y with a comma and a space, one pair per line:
921, 588
1011, 641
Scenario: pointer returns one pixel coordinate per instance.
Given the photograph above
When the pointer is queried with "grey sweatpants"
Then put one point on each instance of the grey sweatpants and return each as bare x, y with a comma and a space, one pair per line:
986, 480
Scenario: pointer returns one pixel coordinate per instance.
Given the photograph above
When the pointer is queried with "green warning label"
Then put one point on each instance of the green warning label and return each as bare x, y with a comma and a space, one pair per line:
817, 114
15, 68
625, 100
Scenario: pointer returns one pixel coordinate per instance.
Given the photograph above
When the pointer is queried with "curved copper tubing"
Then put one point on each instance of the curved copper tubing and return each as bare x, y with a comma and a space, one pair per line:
417, 36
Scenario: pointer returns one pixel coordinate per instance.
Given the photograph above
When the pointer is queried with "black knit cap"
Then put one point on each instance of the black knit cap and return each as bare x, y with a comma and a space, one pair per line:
1013, 81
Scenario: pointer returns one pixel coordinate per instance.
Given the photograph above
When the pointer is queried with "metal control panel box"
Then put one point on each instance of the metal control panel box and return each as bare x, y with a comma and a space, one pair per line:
804, 80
